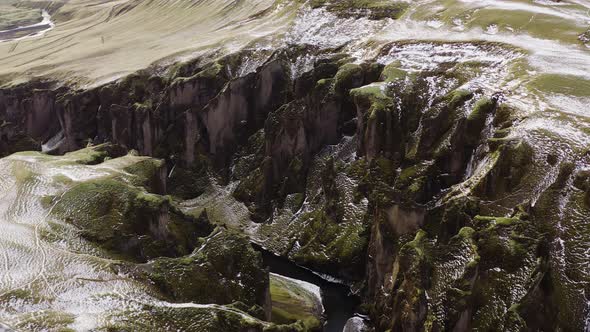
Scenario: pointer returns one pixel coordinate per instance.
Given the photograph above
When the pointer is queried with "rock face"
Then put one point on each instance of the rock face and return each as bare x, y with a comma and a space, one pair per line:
294, 300
224, 269
419, 189
128, 219
215, 275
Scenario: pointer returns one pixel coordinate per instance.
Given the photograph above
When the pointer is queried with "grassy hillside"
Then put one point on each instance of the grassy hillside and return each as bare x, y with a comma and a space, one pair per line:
96, 41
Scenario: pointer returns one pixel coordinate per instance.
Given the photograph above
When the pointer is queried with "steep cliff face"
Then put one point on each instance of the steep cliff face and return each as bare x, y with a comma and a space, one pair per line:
28, 113
426, 193
127, 249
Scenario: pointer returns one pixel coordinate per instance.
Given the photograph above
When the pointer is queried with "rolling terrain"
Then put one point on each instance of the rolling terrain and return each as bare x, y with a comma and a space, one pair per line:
316, 165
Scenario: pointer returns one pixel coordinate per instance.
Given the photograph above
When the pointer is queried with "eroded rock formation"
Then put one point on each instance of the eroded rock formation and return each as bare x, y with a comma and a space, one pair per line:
414, 188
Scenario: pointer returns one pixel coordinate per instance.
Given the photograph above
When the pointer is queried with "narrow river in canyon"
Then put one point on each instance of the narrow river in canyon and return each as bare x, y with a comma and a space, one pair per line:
398, 147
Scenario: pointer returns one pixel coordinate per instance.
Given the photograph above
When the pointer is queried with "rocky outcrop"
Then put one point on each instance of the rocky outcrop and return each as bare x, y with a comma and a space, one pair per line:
224, 269
299, 129
123, 217
294, 300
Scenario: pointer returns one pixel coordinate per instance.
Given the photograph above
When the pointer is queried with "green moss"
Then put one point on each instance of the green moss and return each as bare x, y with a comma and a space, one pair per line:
222, 270
386, 166
412, 181
145, 172
392, 73
482, 107
211, 71
495, 220
561, 84
348, 76
47, 201
127, 220
326, 244
213, 318
94, 155
417, 244
466, 232
137, 86
358, 168
325, 84
510, 171
292, 303
504, 242
24, 295
373, 98
458, 97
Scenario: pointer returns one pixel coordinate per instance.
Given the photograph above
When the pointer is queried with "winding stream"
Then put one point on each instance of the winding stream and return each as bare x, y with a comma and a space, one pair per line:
29, 31
339, 303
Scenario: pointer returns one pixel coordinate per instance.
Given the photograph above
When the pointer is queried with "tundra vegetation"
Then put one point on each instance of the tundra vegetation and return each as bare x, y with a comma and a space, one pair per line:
422, 154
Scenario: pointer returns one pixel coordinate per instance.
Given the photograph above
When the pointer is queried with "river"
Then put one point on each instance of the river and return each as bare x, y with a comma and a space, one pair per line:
339, 303
29, 31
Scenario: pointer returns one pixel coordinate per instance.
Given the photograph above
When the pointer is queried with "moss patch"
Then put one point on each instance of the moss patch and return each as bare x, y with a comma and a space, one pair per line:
292, 303
223, 269
127, 220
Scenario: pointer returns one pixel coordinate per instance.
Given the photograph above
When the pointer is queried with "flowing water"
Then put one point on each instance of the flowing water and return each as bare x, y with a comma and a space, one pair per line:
28, 31
339, 303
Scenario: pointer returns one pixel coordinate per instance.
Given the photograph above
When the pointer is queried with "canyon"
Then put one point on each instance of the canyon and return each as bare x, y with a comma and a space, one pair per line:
296, 166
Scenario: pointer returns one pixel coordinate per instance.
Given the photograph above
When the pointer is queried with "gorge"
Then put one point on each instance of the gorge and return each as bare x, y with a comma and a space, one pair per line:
213, 165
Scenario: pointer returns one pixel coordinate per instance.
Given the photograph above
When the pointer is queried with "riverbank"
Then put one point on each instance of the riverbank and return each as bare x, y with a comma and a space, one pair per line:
28, 31
339, 303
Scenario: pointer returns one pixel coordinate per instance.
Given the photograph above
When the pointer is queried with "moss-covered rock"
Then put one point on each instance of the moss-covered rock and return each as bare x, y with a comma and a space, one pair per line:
255, 191
190, 181
222, 270
378, 125
328, 246
206, 318
504, 242
409, 279
514, 163
477, 119
124, 218
292, 302
416, 183
348, 76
